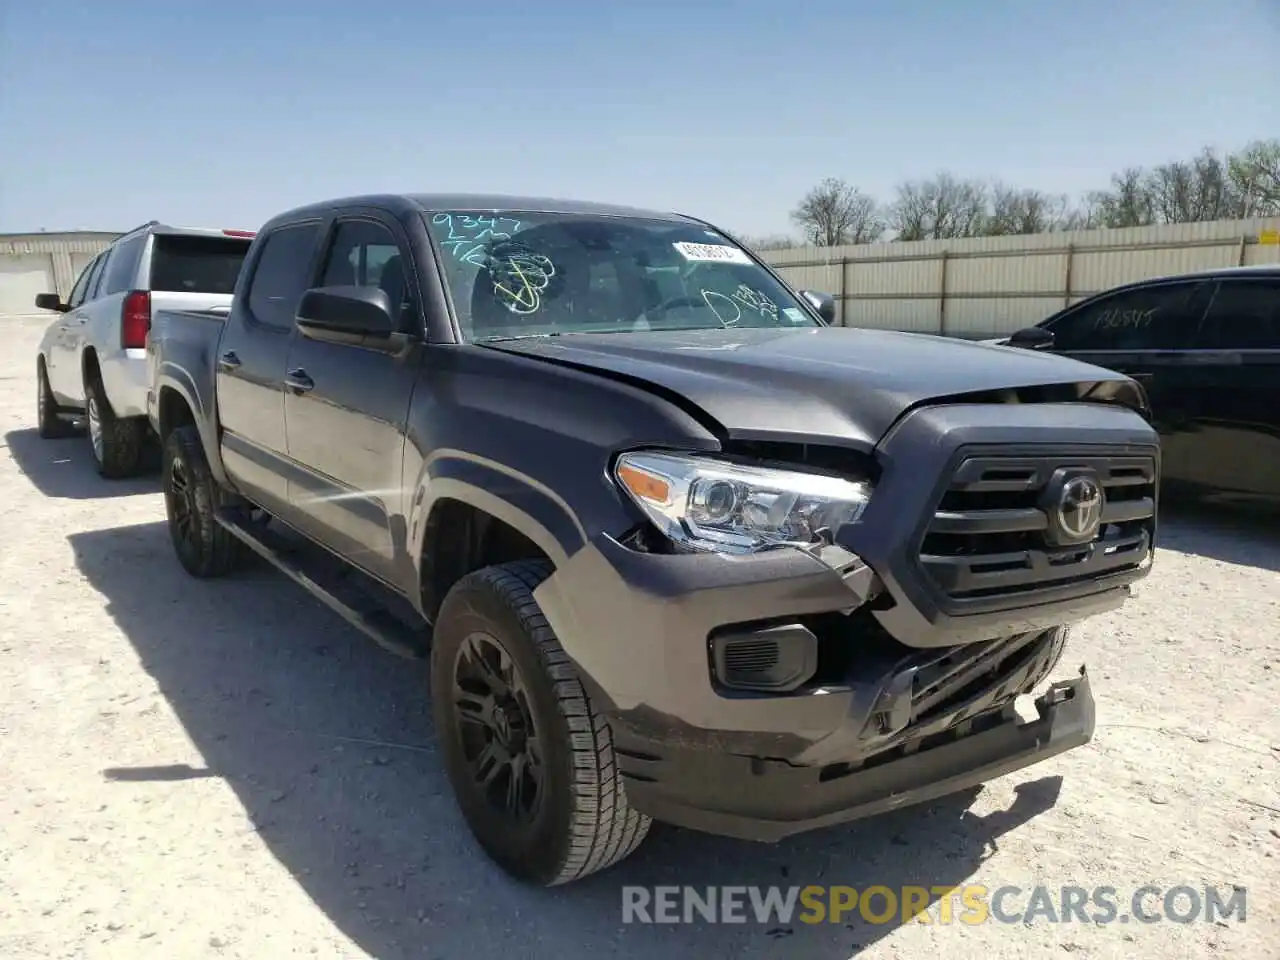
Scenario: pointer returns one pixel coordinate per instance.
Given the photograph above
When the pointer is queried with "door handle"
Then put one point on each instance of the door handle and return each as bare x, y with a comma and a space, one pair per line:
81, 318
228, 361
298, 381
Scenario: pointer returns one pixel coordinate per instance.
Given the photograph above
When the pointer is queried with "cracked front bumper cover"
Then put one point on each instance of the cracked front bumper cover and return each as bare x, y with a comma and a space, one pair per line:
752, 798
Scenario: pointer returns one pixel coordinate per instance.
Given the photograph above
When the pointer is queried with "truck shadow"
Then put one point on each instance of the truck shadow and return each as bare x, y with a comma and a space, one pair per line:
1235, 534
63, 469
327, 743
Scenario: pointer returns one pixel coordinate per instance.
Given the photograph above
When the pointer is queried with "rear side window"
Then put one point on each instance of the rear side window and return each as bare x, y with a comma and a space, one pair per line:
1158, 317
196, 264
1244, 315
122, 267
282, 274
76, 297
95, 278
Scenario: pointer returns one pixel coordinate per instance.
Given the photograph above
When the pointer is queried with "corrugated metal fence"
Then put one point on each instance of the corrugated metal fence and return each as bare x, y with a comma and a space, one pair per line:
990, 286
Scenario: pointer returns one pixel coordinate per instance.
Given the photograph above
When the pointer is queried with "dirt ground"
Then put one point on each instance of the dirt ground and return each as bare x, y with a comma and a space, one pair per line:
226, 769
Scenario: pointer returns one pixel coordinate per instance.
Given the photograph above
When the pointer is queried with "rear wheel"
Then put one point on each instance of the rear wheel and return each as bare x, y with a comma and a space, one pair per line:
50, 424
192, 498
530, 760
116, 442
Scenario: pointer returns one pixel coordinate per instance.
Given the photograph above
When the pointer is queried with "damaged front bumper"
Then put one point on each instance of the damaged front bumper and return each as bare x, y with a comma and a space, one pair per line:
873, 726
751, 798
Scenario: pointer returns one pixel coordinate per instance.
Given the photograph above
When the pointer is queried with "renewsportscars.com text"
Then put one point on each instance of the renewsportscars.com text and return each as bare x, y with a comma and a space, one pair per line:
970, 904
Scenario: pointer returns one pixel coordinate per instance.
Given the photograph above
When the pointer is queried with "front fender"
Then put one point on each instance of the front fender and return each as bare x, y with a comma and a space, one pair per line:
518, 500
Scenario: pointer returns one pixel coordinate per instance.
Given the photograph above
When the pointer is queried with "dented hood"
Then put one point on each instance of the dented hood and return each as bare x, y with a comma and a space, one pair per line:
832, 384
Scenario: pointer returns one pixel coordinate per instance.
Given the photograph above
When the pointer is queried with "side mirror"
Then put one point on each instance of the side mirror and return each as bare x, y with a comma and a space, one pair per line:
824, 303
345, 312
1032, 338
50, 301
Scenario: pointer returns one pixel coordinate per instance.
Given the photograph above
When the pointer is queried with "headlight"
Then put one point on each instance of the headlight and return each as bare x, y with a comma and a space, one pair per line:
725, 507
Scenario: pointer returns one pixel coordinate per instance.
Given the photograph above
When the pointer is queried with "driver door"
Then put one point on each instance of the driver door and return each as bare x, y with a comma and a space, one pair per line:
346, 407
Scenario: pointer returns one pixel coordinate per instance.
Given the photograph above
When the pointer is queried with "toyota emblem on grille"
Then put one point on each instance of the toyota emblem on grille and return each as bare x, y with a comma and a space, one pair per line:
1080, 507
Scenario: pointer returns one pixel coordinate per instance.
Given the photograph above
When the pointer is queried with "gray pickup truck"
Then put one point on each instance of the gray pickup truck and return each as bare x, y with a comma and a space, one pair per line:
676, 547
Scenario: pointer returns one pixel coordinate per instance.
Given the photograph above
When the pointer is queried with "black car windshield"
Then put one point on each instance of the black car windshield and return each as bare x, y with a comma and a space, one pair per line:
513, 273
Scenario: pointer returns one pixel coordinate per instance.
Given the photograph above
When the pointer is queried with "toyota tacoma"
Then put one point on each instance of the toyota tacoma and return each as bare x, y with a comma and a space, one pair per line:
676, 545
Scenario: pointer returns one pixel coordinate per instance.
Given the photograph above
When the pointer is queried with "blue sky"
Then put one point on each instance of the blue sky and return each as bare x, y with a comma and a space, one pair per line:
224, 112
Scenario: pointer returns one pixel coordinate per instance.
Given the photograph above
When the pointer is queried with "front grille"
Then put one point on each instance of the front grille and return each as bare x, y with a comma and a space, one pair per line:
992, 535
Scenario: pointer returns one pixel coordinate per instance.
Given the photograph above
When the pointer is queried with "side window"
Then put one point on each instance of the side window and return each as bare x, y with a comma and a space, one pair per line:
1158, 317
282, 273
1245, 315
76, 296
95, 278
122, 267
365, 254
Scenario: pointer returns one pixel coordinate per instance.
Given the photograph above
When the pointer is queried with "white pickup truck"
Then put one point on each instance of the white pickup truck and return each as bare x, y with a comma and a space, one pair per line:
92, 363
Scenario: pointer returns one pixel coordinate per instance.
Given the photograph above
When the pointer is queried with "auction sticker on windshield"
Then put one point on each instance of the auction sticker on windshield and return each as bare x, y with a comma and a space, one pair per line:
715, 252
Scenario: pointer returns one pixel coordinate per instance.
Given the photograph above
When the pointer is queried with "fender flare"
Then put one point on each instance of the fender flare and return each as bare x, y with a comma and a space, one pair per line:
172, 377
518, 500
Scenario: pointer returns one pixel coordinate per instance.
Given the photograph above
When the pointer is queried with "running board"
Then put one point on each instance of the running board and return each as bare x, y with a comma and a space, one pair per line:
336, 584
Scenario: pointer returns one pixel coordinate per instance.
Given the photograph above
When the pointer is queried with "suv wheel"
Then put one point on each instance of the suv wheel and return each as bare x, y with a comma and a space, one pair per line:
116, 442
530, 761
50, 424
192, 497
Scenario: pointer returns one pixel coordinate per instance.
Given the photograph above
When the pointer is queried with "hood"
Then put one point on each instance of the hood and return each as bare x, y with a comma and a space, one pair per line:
832, 384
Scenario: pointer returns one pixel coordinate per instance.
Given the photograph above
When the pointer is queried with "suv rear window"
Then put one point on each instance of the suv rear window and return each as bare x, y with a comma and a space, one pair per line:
196, 264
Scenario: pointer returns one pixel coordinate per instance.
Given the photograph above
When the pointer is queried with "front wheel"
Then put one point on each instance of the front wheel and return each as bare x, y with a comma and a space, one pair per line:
50, 424
192, 497
530, 760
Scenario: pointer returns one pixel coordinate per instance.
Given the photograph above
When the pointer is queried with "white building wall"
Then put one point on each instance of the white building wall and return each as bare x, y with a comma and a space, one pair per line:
34, 263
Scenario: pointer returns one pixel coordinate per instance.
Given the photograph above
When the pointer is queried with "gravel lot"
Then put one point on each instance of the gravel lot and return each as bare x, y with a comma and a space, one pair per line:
227, 770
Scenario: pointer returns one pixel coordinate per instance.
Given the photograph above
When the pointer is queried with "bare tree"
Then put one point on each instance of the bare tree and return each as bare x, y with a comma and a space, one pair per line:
1081, 214
1255, 175
1207, 186
938, 209
1021, 211
1127, 203
834, 213
773, 241
1193, 190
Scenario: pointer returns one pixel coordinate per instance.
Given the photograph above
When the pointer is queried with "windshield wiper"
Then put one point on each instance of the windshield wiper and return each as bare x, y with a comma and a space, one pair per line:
518, 336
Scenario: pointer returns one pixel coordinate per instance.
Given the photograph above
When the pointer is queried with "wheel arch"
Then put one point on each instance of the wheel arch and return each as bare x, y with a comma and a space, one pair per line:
459, 523
176, 406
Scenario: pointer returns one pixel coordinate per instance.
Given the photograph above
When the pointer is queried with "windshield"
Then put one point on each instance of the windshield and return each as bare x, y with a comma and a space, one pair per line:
517, 274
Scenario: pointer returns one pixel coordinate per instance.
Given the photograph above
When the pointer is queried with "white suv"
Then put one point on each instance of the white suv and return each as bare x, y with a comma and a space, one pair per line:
92, 362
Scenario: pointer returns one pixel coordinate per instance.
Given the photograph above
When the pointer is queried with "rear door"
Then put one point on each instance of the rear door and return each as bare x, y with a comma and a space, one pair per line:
102, 309
1235, 404
251, 363
1145, 332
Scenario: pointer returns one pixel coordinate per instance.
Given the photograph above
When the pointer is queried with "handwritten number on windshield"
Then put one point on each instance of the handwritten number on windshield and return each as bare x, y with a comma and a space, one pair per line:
469, 234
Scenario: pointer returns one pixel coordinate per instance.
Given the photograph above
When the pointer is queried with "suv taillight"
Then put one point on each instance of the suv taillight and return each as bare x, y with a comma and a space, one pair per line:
135, 319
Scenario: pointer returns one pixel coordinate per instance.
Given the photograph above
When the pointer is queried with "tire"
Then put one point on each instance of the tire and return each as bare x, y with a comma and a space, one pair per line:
116, 442
581, 822
192, 498
51, 426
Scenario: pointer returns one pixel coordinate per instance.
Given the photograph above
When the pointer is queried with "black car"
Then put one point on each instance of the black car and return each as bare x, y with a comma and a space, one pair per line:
677, 548
1206, 347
